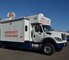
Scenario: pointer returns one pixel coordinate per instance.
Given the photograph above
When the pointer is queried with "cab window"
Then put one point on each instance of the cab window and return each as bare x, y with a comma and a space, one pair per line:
38, 28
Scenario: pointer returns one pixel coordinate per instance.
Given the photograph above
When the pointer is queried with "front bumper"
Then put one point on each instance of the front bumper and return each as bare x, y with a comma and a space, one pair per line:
61, 45
68, 39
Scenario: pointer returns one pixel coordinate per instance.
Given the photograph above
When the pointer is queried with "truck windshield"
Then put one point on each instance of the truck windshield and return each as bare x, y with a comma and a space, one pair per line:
47, 28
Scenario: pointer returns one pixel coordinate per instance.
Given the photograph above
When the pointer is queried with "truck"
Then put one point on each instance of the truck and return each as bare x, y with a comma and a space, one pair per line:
31, 32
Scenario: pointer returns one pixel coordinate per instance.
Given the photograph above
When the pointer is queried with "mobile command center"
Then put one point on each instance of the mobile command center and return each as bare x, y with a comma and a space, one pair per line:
31, 32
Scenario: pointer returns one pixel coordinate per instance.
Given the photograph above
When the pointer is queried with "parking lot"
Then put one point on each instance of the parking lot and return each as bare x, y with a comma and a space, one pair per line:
9, 54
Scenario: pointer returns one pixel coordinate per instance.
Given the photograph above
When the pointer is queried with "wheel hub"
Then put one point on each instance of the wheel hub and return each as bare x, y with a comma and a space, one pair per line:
47, 49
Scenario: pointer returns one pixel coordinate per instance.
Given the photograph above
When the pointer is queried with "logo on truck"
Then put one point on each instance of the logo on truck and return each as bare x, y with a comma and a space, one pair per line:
44, 21
11, 33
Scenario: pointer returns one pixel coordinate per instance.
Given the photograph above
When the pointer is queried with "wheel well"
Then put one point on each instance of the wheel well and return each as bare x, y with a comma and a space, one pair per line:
49, 40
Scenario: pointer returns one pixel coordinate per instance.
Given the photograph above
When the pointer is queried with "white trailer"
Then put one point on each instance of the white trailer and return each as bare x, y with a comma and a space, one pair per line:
31, 32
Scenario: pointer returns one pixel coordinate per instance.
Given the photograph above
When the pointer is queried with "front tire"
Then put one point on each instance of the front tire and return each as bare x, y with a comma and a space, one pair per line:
48, 49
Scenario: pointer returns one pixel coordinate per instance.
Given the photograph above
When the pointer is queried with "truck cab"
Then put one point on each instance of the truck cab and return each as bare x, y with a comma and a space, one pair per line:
44, 37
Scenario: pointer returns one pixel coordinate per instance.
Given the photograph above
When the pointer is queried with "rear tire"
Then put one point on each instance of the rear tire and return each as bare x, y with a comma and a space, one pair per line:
48, 49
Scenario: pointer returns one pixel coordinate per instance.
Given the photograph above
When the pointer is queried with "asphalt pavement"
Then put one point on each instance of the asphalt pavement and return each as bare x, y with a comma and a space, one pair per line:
11, 54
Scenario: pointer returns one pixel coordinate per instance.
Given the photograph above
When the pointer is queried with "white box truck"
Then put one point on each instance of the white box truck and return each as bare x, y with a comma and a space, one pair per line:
31, 32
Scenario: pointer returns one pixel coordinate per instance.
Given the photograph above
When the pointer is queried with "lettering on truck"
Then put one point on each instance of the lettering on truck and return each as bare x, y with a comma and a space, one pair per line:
44, 21
11, 33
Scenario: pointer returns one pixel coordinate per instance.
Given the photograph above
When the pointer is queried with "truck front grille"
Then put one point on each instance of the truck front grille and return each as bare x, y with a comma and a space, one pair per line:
63, 36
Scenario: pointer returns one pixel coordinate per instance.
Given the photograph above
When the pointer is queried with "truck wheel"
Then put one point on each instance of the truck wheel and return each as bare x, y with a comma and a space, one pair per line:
48, 49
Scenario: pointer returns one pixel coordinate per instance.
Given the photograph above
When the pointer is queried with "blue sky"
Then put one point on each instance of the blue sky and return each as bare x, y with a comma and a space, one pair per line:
56, 10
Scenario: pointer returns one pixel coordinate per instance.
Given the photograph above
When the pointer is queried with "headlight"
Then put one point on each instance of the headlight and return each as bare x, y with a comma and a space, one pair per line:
58, 39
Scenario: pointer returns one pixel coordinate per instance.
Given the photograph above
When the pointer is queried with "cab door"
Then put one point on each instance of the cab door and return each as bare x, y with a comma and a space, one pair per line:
37, 33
